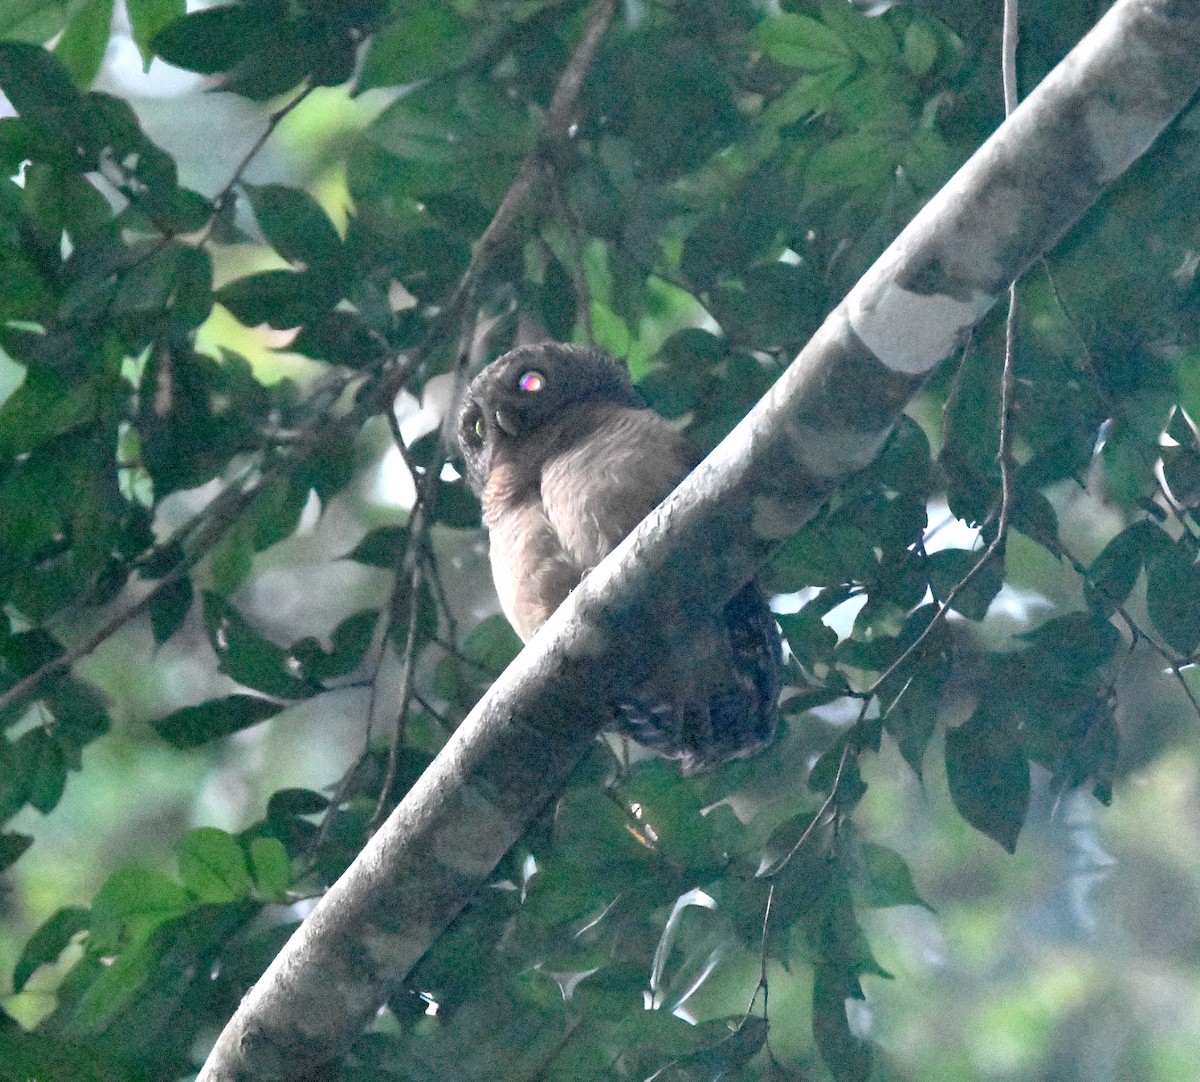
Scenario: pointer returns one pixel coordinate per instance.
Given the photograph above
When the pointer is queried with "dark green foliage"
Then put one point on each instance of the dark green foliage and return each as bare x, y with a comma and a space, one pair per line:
728, 175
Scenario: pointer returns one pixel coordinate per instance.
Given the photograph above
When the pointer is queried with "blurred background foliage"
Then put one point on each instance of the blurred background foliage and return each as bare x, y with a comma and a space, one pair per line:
230, 241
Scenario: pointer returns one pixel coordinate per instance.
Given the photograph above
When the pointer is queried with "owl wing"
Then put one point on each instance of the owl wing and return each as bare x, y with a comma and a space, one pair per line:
608, 466
602, 485
715, 695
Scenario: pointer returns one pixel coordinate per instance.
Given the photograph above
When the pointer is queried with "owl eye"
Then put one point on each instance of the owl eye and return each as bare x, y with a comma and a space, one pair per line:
532, 381
474, 428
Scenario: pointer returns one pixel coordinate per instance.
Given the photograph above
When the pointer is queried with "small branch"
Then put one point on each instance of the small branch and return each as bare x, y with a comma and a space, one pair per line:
406, 688
1175, 664
273, 122
429, 558
1008, 55
555, 130
233, 502
821, 812
996, 545
762, 985
405, 456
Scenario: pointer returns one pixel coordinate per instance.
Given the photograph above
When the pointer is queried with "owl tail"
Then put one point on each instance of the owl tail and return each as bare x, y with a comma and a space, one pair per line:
713, 717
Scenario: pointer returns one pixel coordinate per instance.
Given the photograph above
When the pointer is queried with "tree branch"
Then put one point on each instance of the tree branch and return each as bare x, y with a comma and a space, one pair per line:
826, 417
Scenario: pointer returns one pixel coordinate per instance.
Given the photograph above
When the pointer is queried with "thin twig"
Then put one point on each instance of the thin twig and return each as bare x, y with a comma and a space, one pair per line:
555, 130
406, 684
231, 509
762, 955
440, 596
273, 122
819, 814
996, 545
431, 710
1008, 56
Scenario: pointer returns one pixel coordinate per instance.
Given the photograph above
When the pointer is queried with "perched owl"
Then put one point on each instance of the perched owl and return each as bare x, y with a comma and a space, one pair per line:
567, 460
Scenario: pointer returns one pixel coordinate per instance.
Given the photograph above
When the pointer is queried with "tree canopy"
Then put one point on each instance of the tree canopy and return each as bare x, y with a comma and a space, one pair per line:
246, 602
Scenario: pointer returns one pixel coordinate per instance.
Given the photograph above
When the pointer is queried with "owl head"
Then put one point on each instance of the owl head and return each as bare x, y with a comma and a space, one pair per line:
526, 388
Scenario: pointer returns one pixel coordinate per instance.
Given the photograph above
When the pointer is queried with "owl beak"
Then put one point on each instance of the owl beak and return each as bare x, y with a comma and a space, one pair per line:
507, 423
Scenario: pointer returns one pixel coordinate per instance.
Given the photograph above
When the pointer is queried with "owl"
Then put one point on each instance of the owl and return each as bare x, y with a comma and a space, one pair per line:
566, 460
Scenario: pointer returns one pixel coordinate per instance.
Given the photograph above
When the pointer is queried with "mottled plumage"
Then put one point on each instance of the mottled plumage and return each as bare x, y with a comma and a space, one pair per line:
567, 460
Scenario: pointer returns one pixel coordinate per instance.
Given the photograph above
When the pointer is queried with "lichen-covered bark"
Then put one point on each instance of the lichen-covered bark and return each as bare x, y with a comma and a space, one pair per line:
827, 416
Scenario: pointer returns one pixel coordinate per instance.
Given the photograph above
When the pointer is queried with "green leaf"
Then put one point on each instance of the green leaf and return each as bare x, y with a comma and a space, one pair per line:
835, 767
920, 48
1113, 573
872, 38
289, 802
271, 868
1181, 468
147, 18
81, 48
350, 641
850, 164
811, 640
196, 725
823, 555
30, 20
134, 902
847, 1056
949, 567
810, 94
989, 777
42, 92
885, 879
381, 547
113, 988
773, 306
248, 656
45, 769
48, 942
802, 42
1172, 589
911, 717
280, 298
12, 845
277, 511
457, 507
800, 841
421, 44
169, 608
80, 717
216, 39
1092, 752
492, 645
296, 226
212, 866
733, 1043
232, 558
14, 781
